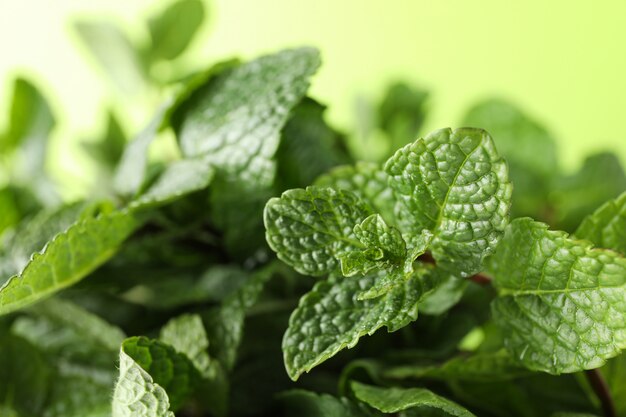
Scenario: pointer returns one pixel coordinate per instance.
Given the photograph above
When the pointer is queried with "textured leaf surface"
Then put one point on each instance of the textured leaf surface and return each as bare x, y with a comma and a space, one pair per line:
170, 37
309, 229
529, 149
236, 118
331, 318
171, 370
606, 227
225, 324
113, 52
186, 334
137, 394
368, 181
67, 258
453, 184
392, 400
561, 303
178, 179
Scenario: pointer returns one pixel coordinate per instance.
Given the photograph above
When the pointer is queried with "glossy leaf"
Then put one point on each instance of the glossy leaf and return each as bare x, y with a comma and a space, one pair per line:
561, 303
454, 185
392, 400
173, 29
236, 118
311, 228
331, 318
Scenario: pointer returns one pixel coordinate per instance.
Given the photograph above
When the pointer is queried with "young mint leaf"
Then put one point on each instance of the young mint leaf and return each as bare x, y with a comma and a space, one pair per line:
487, 366
172, 371
186, 335
368, 181
331, 318
445, 296
169, 37
137, 394
109, 148
309, 229
529, 149
114, 53
178, 179
130, 174
67, 258
225, 324
236, 118
606, 227
384, 248
308, 404
454, 185
560, 302
601, 178
393, 400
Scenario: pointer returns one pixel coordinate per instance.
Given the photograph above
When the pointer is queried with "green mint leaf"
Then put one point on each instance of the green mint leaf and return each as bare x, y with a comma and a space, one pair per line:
236, 118
401, 114
368, 181
169, 35
308, 404
331, 318
109, 148
393, 400
81, 392
564, 414
130, 174
137, 394
114, 53
309, 229
385, 248
177, 180
171, 371
225, 324
529, 149
454, 185
308, 146
601, 178
186, 334
560, 302
606, 227
30, 120
67, 258
485, 366
614, 373
445, 296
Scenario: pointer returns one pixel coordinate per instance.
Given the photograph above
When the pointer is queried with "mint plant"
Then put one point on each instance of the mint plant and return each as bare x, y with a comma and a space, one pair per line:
251, 271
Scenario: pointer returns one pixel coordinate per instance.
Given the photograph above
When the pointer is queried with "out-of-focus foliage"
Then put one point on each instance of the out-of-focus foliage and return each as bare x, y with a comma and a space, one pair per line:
160, 293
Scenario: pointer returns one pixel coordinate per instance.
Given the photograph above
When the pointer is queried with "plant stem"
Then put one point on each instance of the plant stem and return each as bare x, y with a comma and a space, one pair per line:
601, 388
480, 278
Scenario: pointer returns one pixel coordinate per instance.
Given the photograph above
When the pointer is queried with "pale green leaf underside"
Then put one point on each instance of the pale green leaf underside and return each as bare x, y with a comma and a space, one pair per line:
393, 400
136, 394
67, 258
606, 227
331, 318
454, 184
186, 334
561, 303
368, 181
309, 229
235, 120
178, 179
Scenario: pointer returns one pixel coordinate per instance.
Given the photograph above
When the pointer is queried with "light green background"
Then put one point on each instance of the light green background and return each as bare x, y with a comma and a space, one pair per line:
562, 61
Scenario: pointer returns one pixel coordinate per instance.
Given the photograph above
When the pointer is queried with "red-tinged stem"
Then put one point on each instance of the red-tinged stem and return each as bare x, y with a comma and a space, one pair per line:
601, 388
480, 279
